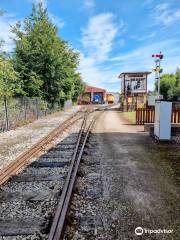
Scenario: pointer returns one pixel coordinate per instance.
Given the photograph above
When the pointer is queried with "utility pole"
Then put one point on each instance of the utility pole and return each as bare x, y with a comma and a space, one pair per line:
158, 70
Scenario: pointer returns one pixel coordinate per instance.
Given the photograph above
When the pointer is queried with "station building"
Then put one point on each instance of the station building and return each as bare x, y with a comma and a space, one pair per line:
93, 95
134, 87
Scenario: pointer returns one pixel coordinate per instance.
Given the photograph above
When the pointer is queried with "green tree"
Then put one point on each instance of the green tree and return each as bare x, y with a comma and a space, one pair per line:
177, 89
46, 64
9, 81
167, 86
79, 86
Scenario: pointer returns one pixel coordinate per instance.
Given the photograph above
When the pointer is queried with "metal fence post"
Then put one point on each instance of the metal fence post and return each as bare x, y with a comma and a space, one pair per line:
6, 113
25, 114
37, 111
46, 107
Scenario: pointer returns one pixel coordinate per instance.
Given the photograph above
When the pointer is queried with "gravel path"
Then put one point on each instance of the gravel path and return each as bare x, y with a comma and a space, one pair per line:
139, 181
14, 142
127, 181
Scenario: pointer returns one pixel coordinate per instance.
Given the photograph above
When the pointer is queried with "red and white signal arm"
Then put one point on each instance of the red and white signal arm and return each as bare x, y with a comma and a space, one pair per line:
160, 56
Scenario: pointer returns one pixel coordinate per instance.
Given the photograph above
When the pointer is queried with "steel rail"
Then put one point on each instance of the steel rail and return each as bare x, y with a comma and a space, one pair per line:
56, 230
20, 161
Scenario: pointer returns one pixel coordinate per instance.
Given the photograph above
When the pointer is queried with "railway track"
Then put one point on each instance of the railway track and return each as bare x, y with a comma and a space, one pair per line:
23, 159
29, 202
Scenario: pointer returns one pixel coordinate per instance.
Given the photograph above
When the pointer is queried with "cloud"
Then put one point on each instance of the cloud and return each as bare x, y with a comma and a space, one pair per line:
165, 14
98, 75
89, 3
9, 20
57, 21
143, 38
140, 59
98, 36
89, 70
146, 51
98, 39
6, 35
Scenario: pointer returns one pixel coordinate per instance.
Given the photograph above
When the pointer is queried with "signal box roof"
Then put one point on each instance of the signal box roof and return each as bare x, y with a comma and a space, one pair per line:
124, 73
94, 89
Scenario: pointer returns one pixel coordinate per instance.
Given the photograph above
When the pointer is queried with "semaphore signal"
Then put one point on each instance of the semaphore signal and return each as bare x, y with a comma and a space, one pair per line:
160, 56
158, 70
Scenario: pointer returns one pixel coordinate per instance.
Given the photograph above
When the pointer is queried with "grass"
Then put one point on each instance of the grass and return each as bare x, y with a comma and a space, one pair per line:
130, 116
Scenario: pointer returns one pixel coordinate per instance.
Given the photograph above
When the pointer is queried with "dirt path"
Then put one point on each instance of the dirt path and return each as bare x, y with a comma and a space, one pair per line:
139, 181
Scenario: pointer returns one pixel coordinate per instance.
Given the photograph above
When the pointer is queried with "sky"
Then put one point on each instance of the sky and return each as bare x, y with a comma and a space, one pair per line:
111, 36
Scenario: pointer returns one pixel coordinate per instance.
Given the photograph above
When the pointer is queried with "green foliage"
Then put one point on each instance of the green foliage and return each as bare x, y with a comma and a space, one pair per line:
79, 86
177, 89
9, 82
46, 64
170, 85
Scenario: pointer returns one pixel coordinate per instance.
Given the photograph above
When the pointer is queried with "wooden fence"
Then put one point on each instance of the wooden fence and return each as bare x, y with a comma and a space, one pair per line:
147, 115
175, 117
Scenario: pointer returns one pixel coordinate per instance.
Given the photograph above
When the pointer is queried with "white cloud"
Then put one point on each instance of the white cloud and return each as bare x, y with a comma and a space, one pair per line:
165, 14
89, 3
57, 21
97, 75
89, 70
99, 35
144, 37
98, 39
140, 59
146, 51
6, 35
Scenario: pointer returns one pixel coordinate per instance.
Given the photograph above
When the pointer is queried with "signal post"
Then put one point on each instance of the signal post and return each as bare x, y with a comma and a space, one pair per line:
158, 70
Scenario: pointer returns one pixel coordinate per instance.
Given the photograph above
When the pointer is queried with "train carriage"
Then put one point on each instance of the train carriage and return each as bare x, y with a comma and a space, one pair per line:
110, 98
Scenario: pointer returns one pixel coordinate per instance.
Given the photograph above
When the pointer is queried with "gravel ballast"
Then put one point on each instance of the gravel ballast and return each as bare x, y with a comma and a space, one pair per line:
28, 201
15, 142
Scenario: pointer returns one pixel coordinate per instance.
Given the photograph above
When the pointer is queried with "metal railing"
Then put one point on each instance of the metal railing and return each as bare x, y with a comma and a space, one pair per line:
15, 112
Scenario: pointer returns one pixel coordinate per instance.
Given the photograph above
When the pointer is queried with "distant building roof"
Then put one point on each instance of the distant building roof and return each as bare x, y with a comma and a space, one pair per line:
94, 89
123, 73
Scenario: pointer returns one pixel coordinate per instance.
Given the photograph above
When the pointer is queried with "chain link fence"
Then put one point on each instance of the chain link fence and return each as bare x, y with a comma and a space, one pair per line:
15, 112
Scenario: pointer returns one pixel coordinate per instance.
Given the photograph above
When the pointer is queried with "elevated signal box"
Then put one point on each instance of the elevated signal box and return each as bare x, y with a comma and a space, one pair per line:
133, 83
134, 86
